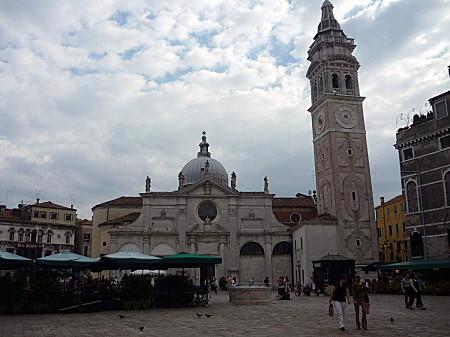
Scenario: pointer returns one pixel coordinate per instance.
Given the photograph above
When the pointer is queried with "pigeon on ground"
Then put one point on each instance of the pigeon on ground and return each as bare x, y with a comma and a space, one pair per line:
208, 315
198, 315
141, 328
121, 316
392, 319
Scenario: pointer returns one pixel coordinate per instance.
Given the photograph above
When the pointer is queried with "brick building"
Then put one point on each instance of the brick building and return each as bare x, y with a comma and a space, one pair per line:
424, 154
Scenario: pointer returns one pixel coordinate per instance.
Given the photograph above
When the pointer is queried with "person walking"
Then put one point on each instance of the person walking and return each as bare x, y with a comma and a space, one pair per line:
406, 289
414, 292
340, 293
420, 288
360, 300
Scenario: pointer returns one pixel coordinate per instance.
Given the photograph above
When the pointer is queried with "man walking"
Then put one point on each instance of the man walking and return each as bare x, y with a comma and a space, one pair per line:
406, 289
360, 300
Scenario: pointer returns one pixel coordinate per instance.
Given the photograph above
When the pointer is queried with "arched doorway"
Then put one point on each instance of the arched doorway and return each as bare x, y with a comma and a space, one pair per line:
282, 261
252, 263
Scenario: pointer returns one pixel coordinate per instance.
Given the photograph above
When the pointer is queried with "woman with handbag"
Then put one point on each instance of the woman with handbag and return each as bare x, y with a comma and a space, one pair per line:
360, 299
340, 293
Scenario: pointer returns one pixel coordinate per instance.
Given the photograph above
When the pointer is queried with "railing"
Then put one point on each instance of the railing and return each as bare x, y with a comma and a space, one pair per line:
336, 39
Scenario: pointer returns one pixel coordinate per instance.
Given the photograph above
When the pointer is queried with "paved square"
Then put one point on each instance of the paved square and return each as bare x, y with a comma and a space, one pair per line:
301, 316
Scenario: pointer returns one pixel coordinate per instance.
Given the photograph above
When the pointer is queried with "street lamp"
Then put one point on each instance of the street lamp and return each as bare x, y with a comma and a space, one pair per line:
417, 174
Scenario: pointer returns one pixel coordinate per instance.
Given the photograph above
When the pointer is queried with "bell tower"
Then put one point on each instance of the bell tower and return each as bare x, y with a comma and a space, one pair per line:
343, 181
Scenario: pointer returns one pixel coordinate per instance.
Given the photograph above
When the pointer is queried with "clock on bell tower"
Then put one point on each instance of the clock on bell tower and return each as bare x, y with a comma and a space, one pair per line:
343, 181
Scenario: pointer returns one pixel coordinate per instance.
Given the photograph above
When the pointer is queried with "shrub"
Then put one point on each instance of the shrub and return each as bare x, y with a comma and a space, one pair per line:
45, 287
136, 288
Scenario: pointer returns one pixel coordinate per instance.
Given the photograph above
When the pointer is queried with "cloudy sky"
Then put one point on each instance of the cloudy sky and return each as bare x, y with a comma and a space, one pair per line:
96, 95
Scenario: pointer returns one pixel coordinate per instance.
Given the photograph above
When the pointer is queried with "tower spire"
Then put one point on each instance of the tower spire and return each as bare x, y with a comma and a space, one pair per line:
328, 21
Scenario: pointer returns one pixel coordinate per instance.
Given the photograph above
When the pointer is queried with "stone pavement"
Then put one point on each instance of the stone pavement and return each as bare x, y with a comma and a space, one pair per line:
301, 316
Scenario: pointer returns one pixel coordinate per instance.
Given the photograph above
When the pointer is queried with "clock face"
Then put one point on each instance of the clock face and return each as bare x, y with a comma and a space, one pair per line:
346, 117
320, 122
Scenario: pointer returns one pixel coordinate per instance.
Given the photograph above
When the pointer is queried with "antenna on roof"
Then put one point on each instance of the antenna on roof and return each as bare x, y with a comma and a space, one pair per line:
6, 197
38, 193
72, 200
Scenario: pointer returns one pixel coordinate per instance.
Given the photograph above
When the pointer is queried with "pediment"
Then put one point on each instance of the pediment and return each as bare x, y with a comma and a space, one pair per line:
208, 187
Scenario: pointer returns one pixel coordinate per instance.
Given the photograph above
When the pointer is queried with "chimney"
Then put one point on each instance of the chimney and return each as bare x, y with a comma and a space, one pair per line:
381, 200
71, 206
37, 200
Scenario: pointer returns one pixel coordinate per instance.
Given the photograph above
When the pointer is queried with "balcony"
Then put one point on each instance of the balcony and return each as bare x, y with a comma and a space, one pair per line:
336, 39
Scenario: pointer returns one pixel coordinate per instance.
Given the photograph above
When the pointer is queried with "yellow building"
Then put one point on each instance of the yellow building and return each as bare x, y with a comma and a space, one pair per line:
392, 239
108, 215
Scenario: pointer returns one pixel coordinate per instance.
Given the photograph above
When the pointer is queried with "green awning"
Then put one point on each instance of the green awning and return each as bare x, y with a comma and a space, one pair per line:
13, 261
67, 260
418, 265
187, 260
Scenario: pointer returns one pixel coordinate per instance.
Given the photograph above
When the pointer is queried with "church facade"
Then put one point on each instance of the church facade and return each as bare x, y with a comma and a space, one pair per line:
207, 214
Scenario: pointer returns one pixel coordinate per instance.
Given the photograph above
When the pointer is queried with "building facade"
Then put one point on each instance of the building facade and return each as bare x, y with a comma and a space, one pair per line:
292, 211
37, 230
424, 155
343, 180
83, 237
312, 240
391, 230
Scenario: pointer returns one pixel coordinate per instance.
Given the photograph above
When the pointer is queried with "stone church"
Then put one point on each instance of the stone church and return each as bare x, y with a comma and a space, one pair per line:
207, 214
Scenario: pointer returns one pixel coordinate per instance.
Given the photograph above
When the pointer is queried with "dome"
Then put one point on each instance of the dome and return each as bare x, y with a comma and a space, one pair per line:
193, 171
203, 167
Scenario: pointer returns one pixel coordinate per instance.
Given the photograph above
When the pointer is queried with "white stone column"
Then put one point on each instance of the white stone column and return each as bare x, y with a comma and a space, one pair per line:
268, 258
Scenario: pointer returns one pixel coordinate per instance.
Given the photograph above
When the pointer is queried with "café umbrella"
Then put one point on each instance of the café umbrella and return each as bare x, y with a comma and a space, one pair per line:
130, 260
188, 260
11, 261
67, 260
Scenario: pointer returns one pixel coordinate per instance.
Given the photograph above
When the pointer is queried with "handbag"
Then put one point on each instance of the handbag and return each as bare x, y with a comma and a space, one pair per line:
331, 310
366, 308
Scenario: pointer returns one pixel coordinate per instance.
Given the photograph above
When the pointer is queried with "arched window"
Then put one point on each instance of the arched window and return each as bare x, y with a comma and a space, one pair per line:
49, 237
39, 238
68, 238
11, 234
447, 187
282, 248
416, 245
348, 82
27, 236
33, 236
20, 238
252, 248
335, 81
411, 196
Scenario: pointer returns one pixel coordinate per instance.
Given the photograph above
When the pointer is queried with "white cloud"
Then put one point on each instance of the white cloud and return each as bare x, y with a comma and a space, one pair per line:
94, 96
